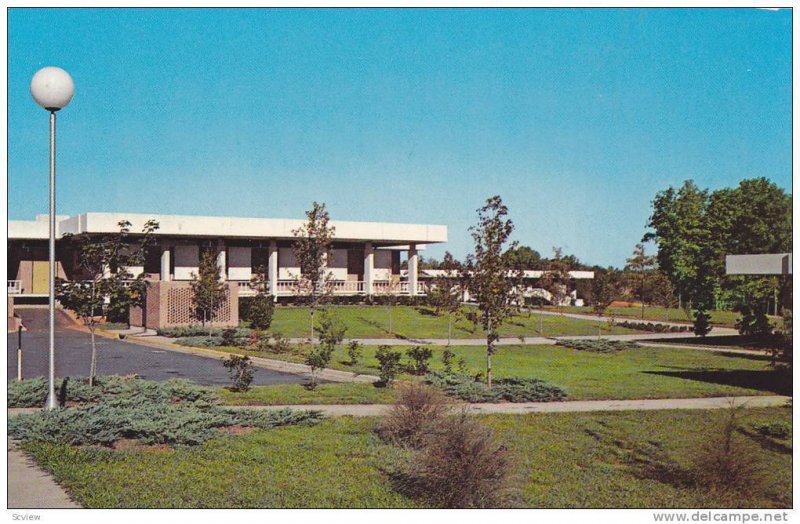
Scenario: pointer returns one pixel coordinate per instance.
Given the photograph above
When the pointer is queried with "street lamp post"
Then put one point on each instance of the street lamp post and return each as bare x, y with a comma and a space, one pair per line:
52, 88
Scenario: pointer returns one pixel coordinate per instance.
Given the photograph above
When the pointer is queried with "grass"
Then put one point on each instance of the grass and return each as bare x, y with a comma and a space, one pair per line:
633, 373
562, 461
335, 393
660, 314
420, 322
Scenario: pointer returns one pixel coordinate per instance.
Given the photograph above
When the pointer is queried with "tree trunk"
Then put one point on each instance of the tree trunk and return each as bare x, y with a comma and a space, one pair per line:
449, 328
93, 364
312, 324
489, 350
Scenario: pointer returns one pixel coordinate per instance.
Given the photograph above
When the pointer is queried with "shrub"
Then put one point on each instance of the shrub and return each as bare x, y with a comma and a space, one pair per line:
388, 364
419, 357
460, 466
780, 430
331, 331
753, 322
28, 393
416, 409
469, 389
318, 358
725, 462
229, 337
354, 350
260, 311
702, 323
199, 331
600, 345
200, 342
650, 326
447, 360
240, 369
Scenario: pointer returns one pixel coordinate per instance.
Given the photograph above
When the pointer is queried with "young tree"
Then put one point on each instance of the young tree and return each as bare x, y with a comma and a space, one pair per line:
606, 287
103, 264
262, 306
491, 278
640, 266
659, 291
208, 289
446, 293
311, 248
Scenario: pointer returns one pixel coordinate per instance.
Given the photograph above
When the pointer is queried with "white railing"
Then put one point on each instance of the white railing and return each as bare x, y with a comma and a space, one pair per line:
14, 287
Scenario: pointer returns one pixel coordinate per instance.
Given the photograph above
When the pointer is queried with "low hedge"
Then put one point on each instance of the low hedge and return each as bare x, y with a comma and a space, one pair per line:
654, 327
200, 342
599, 345
469, 389
199, 331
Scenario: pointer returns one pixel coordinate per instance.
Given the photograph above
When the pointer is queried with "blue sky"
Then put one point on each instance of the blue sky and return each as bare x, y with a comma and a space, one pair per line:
575, 117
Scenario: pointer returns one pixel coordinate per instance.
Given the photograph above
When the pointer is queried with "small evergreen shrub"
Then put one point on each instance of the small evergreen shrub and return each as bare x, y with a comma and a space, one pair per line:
318, 358
419, 357
702, 323
753, 322
259, 312
229, 337
388, 364
240, 369
199, 331
600, 345
447, 360
656, 327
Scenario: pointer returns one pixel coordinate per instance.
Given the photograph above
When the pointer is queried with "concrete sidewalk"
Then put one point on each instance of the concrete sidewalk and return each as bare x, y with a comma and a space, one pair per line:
570, 406
31, 488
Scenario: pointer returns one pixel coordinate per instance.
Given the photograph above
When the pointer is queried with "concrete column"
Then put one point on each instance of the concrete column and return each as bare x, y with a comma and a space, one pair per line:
369, 264
413, 269
222, 261
165, 263
272, 269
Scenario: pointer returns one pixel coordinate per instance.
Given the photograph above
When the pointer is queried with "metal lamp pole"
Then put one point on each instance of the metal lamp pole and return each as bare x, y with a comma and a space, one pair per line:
52, 88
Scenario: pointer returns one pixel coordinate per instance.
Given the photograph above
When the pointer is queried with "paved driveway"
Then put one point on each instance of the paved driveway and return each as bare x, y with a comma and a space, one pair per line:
73, 352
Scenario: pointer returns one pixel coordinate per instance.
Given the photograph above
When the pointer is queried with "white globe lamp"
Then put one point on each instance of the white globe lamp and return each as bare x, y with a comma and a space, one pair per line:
52, 88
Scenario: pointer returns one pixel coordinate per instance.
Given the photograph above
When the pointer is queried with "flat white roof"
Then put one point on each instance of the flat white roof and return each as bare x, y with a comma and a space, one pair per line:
227, 227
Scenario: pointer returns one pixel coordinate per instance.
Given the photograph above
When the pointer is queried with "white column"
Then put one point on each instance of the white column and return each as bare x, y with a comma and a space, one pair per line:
165, 276
369, 264
272, 269
413, 264
221, 261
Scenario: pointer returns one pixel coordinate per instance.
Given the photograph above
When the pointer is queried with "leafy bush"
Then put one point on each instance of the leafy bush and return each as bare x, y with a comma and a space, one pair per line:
753, 322
419, 356
331, 330
460, 466
229, 337
600, 345
416, 409
780, 430
354, 351
240, 369
171, 412
388, 364
467, 388
318, 358
200, 341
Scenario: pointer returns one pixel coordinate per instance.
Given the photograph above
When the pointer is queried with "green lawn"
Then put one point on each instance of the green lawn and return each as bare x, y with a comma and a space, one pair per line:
722, 318
634, 373
561, 460
419, 322
334, 393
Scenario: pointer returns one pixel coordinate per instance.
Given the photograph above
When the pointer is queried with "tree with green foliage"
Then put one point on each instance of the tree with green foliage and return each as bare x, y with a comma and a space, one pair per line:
312, 246
555, 278
104, 276
447, 292
526, 258
492, 280
240, 369
606, 287
702, 323
388, 364
208, 289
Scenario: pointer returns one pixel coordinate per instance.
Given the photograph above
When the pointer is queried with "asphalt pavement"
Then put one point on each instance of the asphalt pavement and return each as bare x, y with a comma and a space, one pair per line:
114, 357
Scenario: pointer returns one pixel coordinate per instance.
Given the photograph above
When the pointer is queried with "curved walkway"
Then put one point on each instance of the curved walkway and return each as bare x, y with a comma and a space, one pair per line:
30, 487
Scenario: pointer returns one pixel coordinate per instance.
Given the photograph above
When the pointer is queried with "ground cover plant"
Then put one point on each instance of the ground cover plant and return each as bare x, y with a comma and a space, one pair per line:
470, 389
660, 314
644, 372
122, 409
601, 345
563, 460
332, 393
